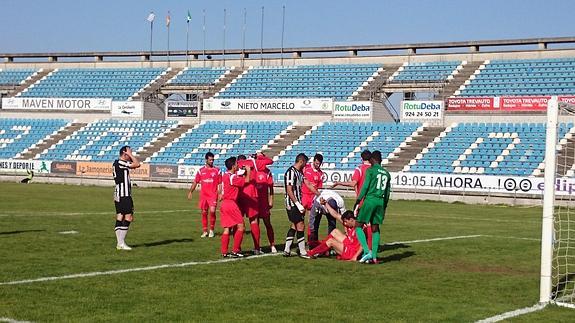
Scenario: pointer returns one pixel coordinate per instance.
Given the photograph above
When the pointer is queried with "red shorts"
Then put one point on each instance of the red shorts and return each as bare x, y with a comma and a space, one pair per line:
263, 208
349, 251
206, 203
230, 214
249, 205
307, 200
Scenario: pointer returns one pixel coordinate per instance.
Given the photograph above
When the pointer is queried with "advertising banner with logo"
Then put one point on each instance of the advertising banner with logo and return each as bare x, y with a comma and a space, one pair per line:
163, 171
182, 109
95, 169
127, 109
463, 182
72, 104
64, 167
22, 166
187, 171
278, 105
504, 103
421, 110
352, 110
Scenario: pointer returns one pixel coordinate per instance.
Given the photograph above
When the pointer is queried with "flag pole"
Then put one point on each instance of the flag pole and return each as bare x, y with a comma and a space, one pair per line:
151, 20
188, 18
244, 37
168, 26
262, 40
204, 31
224, 47
283, 28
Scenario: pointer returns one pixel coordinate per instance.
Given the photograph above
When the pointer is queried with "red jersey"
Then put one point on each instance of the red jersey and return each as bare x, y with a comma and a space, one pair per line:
359, 176
209, 178
231, 184
315, 177
255, 165
350, 237
264, 180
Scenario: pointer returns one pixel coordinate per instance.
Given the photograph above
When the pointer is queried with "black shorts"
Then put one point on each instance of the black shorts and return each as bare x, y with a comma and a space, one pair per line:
125, 206
294, 215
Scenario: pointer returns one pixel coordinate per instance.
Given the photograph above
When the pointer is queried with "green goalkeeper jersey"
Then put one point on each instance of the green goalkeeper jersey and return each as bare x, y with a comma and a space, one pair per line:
376, 185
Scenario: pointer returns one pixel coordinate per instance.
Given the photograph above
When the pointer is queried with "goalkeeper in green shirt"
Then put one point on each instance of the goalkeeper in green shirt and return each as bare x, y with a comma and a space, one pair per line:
375, 195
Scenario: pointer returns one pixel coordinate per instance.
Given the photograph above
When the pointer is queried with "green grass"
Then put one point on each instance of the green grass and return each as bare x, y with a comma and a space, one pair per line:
460, 280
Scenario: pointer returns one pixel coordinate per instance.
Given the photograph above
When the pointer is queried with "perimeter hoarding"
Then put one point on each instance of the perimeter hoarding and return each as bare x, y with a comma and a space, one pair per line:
127, 109
182, 109
18, 166
277, 105
422, 110
353, 110
72, 104
99, 169
503, 103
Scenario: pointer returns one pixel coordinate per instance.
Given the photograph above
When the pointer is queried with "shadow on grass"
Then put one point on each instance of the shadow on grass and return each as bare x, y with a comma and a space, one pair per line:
19, 231
396, 257
163, 242
394, 246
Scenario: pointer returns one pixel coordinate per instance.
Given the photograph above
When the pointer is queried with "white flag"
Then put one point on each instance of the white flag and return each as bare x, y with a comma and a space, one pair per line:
151, 17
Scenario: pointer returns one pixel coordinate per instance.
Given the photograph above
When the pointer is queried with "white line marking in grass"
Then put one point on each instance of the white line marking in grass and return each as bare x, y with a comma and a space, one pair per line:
68, 232
434, 239
28, 214
509, 237
186, 264
462, 218
514, 313
5, 319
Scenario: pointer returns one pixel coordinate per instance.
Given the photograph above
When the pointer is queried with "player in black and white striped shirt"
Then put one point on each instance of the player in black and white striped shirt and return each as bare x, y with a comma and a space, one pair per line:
293, 180
123, 194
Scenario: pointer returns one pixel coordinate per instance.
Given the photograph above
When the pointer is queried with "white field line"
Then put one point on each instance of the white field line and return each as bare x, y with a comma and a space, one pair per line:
28, 214
462, 218
512, 314
8, 320
186, 264
510, 237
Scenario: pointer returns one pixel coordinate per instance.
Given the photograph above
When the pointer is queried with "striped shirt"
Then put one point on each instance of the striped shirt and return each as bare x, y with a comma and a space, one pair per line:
294, 178
121, 172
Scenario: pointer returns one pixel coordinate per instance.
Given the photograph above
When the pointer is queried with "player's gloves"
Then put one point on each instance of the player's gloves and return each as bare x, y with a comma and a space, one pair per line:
300, 207
356, 208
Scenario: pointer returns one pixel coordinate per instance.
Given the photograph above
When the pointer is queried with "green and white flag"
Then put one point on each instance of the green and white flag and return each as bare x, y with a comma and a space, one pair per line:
189, 17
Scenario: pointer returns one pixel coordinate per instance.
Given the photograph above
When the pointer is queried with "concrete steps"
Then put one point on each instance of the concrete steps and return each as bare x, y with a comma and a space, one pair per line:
374, 88
163, 141
413, 148
60, 135
285, 140
227, 79
155, 86
458, 80
32, 80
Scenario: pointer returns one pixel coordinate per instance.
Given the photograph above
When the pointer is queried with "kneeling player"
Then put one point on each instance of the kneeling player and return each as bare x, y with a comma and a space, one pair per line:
230, 214
346, 245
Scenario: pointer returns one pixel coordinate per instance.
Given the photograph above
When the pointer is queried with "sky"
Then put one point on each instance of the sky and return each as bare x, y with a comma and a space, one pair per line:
120, 25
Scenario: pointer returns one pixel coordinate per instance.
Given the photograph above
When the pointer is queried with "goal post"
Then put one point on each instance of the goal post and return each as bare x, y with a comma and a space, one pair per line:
557, 281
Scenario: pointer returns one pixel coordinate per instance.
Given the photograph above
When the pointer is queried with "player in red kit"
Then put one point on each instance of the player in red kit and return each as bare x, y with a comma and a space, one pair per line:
209, 177
313, 181
265, 186
248, 197
230, 214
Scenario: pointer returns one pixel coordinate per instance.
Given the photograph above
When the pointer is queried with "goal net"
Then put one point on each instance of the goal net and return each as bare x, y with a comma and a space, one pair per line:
558, 229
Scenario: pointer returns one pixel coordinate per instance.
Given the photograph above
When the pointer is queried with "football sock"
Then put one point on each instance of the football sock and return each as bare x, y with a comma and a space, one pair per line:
321, 248
124, 230
362, 239
270, 233
301, 242
225, 242
117, 230
368, 236
205, 220
212, 220
289, 239
255, 229
238, 237
375, 244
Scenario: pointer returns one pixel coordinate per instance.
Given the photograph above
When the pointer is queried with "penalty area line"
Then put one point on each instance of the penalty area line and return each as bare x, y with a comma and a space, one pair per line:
187, 264
511, 314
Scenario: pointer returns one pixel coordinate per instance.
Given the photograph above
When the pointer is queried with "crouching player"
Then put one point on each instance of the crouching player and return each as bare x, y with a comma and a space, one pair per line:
318, 210
346, 245
230, 214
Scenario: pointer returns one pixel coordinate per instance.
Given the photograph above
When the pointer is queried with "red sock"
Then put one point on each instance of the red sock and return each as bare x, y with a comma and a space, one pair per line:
270, 232
225, 242
255, 229
238, 237
212, 220
205, 220
321, 248
368, 235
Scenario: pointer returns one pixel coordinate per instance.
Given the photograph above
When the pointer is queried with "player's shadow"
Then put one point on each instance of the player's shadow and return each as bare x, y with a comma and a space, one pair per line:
393, 246
19, 231
163, 242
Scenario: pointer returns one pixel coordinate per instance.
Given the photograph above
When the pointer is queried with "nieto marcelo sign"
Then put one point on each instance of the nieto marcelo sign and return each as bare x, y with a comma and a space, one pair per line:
421, 110
278, 105
352, 110
56, 104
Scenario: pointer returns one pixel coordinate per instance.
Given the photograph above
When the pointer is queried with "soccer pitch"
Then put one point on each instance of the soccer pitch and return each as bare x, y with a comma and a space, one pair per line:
440, 262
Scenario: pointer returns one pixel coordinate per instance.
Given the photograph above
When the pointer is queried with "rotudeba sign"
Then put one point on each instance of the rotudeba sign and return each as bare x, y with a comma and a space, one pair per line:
127, 109
72, 104
277, 105
352, 110
422, 110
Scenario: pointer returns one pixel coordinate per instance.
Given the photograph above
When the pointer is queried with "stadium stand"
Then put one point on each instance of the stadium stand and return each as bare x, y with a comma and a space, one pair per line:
515, 149
15, 76
342, 142
305, 81
198, 76
552, 76
100, 140
19, 135
224, 139
120, 84
426, 72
